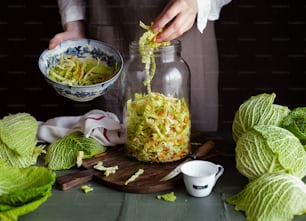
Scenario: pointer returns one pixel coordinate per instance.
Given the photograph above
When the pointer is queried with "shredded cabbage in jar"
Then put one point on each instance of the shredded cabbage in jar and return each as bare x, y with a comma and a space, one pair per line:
75, 72
158, 126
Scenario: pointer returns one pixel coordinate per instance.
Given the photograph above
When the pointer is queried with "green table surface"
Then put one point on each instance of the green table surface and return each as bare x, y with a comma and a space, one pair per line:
104, 203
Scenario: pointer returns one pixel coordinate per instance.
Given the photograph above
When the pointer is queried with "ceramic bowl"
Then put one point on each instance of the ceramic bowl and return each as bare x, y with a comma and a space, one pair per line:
82, 49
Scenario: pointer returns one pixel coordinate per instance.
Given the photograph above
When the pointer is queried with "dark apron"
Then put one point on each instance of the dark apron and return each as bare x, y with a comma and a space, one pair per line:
117, 23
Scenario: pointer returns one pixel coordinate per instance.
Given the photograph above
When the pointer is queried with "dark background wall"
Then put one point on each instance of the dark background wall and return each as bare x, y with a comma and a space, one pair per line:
261, 49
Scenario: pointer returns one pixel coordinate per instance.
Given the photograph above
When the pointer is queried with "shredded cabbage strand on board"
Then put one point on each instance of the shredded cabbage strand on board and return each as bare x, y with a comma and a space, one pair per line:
134, 176
75, 72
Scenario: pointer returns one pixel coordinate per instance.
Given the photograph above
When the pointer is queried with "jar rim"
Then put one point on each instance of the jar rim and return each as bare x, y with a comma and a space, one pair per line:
174, 45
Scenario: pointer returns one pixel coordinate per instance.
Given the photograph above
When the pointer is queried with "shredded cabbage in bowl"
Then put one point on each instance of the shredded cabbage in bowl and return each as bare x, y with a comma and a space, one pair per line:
158, 128
73, 71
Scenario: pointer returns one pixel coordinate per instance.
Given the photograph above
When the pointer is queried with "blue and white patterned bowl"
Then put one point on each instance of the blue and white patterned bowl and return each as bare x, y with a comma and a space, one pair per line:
81, 48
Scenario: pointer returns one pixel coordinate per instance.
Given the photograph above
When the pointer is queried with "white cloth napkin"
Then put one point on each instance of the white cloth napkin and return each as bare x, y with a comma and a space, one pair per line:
104, 126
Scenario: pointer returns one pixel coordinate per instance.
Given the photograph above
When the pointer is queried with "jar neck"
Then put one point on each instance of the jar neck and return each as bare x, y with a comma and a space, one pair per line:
163, 53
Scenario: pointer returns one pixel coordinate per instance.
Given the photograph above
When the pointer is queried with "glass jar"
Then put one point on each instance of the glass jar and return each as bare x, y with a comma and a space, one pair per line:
156, 111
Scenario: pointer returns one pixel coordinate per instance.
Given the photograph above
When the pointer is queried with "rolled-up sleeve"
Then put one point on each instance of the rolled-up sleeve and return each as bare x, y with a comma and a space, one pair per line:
209, 10
71, 10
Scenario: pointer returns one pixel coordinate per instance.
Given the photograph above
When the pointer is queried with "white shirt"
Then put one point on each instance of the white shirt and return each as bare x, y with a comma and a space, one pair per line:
73, 10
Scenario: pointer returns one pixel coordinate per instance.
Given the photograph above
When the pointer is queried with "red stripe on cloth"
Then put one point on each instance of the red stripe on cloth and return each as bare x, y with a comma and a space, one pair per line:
104, 129
95, 118
105, 134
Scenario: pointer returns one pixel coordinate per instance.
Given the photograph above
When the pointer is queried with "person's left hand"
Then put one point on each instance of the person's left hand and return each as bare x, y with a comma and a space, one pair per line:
176, 18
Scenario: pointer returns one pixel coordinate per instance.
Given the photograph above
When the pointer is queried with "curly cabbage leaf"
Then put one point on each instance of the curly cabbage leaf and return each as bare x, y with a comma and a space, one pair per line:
258, 110
268, 148
272, 197
296, 123
63, 153
18, 140
22, 190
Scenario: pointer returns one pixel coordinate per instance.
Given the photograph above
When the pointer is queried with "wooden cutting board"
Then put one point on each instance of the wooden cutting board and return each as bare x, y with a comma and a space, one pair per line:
148, 182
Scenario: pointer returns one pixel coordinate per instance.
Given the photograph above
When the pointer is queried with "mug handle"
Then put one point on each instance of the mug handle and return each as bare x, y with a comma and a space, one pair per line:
220, 171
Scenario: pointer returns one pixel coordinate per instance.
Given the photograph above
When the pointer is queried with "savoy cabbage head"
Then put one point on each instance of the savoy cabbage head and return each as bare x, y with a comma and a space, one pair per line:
258, 110
296, 123
270, 153
268, 148
23, 190
18, 143
272, 197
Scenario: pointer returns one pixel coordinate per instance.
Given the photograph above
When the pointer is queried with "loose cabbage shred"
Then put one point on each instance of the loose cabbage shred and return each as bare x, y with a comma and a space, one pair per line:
170, 197
147, 46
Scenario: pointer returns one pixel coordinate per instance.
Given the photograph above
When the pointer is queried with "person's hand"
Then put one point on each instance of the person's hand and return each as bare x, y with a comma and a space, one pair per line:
73, 30
176, 18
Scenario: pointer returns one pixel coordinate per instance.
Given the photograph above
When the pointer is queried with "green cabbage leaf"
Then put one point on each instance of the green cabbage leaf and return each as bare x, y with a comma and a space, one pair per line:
63, 153
18, 140
296, 123
22, 190
258, 110
271, 197
268, 148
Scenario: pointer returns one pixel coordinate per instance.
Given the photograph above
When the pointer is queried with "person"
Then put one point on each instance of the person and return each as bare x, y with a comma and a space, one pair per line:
117, 23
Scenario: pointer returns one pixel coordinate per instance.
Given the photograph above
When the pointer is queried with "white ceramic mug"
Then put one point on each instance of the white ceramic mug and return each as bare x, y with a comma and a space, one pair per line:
200, 176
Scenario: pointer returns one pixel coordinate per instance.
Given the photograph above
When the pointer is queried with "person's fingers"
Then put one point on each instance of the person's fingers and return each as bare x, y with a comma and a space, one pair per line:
54, 41
52, 44
58, 38
176, 18
176, 28
168, 13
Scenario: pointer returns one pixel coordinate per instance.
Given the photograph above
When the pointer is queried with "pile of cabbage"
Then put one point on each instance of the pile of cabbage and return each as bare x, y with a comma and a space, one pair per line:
23, 190
23, 185
271, 152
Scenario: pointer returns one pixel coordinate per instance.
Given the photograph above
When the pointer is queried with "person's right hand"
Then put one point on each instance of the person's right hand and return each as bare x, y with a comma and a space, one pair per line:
176, 18
73, 30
